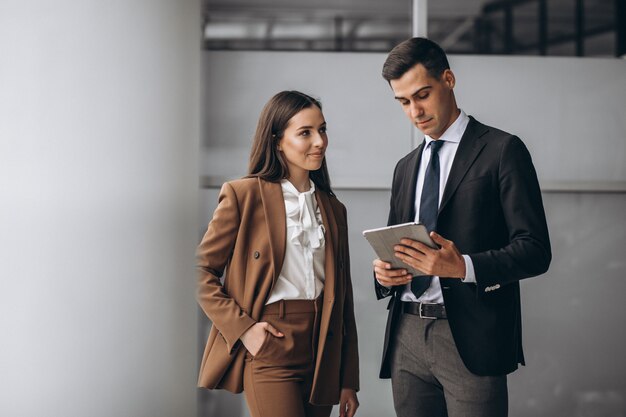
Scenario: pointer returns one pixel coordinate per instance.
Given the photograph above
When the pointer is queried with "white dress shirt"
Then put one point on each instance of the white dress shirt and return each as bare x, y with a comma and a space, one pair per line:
452, 138
302, 274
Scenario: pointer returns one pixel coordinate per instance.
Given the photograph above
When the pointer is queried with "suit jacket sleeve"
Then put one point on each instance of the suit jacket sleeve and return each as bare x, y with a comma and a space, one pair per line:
528, 250
380, 290
213, 255
349, 348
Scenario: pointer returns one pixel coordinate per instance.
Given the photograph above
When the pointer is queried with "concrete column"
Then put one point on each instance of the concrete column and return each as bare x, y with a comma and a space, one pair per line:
99, 130
420, 18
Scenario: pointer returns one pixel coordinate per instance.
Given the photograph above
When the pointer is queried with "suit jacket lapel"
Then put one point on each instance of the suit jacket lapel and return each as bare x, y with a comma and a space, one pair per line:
469, 148
276, 220
408, 209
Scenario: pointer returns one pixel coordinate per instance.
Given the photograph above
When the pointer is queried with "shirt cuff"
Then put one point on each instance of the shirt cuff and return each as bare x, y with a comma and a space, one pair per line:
470, 275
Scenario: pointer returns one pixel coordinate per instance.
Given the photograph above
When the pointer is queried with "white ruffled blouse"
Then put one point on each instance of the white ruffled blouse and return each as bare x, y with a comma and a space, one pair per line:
302, 275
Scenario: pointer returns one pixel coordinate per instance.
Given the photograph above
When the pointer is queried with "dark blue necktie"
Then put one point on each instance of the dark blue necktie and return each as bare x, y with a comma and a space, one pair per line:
429, 206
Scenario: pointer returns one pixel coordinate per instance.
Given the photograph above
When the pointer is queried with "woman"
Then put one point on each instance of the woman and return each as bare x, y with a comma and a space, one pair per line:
283, 320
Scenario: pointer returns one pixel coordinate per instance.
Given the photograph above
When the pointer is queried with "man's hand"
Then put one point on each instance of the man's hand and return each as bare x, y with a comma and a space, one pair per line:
446, 261
253, 338
348, 403
389, 277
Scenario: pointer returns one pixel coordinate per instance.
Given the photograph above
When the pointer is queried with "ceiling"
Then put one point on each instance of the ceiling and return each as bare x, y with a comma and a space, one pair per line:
461, 26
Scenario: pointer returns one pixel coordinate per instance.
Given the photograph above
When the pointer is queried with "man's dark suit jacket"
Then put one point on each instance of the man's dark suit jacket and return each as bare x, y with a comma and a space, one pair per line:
492, 210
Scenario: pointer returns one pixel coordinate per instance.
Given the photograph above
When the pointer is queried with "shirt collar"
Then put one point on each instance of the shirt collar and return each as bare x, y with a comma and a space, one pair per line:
454, 133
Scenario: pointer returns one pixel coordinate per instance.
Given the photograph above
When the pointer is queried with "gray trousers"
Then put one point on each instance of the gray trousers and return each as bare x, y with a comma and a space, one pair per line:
429, 379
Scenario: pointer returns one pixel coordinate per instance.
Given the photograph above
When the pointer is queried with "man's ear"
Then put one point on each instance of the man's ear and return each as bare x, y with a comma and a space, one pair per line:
448, 78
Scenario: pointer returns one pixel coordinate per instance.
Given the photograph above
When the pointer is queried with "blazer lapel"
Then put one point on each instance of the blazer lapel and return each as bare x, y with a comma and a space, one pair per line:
330, 279
469, 148
332, 244
276, 220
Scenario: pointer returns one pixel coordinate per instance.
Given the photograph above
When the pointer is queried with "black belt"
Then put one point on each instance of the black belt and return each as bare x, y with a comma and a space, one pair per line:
425, 310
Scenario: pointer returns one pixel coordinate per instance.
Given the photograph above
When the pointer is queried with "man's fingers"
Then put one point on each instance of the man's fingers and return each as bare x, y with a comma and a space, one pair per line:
390, 277
390, 273
437, 238
394, 281
273, 330
413, 245
411, 252
377, 263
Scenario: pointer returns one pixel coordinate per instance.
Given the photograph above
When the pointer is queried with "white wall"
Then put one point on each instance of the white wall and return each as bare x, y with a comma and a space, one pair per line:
363, 119
99, 125
569, 111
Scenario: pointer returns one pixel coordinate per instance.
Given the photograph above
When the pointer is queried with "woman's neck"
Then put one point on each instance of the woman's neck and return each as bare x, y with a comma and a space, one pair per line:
301, 182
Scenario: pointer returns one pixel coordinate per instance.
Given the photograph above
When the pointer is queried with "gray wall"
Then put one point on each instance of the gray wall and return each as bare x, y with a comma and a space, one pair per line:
99, 131
570, 114
569, 111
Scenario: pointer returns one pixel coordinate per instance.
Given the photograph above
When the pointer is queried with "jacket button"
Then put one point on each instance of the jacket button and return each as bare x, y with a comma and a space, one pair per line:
256, 254
330, 335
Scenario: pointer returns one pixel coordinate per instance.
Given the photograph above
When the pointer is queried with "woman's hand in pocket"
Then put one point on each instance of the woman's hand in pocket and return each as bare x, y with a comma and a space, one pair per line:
253, 338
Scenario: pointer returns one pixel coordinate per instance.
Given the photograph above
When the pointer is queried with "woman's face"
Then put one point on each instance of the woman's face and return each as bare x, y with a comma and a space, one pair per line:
304, 141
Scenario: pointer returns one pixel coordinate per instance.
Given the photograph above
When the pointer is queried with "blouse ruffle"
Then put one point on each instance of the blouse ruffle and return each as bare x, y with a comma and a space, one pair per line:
304, 219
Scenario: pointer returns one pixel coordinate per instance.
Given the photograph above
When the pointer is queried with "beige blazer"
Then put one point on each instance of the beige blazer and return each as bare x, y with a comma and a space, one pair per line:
245, 243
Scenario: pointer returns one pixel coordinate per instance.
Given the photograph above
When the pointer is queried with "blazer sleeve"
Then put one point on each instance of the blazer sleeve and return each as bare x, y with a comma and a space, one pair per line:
528, 252
213, 254
349, 348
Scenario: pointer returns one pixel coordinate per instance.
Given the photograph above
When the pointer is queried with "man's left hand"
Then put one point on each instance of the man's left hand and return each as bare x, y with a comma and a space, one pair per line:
446, 261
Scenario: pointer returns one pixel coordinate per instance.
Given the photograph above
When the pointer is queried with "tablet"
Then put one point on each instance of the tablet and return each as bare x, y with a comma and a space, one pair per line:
384, 239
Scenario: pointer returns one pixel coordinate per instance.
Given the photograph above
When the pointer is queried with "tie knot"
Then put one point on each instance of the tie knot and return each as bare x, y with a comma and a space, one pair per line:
435, 145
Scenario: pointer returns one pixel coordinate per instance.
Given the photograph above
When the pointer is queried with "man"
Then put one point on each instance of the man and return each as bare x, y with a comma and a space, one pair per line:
453, 336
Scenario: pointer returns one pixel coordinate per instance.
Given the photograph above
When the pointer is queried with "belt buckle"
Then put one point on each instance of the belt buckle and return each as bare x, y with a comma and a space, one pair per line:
422, 316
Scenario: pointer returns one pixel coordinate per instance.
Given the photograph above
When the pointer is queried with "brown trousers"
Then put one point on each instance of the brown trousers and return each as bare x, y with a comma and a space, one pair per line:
277, 380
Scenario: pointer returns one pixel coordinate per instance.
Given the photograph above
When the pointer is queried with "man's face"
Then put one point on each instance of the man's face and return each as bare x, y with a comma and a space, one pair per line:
428, 102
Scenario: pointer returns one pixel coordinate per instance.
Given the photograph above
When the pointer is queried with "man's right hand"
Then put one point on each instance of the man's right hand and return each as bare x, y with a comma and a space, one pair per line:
389, 277
253, 338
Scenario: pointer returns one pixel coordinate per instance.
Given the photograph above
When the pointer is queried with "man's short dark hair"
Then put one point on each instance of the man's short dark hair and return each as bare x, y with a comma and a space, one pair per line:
415, 51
